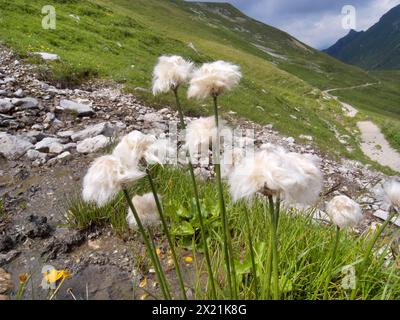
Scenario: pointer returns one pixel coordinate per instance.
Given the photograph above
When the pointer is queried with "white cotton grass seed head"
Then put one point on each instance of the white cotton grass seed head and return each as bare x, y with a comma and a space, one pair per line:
146, 209
161, 151
231, 157
199, 134
105, 178
391, 191
212, 79
344, 212
132, 148
170, 72
295, 178
309, 180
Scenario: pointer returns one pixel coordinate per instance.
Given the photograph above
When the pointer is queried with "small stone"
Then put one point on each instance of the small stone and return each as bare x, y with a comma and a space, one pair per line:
52, 145
47, 56
103, 128
37, 126
25, 103
305, 137
19, 93
65, 134
5, 105
12, 147
49, 117
65, 156
94, 144
384, 215
81, 109
34, 154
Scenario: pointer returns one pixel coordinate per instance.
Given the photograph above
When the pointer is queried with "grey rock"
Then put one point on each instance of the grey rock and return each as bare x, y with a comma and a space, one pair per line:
5, 105
37, 227
153, 117
305, 137
81, 109
47, 56
9, 80
65, 134
25, 103
19, 93
13, 147
8, 257
37, 126
384, 215
52, 145
94, 144
34, 154
64, 157
49, 117
104, 128
70, 146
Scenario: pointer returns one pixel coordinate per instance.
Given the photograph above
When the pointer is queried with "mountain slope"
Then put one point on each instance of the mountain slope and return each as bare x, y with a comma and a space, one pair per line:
376, 48
121, 40
336, 49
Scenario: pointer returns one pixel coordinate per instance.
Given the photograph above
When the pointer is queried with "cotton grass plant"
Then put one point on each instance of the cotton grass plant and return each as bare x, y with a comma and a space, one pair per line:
169, 74
212, 80
277, 175
344, 213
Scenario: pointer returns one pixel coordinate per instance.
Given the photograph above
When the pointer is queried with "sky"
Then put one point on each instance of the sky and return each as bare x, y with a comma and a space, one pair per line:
315, 22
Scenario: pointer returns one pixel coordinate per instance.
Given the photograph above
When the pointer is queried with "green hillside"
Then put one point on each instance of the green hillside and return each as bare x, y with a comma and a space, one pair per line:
122, 39
376, 48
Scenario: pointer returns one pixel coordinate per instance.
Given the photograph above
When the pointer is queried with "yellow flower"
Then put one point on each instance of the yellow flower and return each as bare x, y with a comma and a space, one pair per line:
143, 283
54, 275
51, 276
23, 277
144, 296
188, 259
65, 274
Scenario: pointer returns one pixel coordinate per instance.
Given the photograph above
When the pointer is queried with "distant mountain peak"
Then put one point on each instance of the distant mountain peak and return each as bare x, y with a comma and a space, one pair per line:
376, 48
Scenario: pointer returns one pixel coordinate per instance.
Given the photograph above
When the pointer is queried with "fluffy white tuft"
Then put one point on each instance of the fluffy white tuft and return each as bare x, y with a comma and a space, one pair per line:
309, 179
105, 178
391, 191
202, 132
170, 72
231, 158
160, 151
213, 79
146, 208
132, 148
344, 212
293, 177
199, 134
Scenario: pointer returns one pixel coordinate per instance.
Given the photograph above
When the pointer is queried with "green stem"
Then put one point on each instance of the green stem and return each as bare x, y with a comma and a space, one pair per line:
179, 107
153, 255
371, 245
331, 260
166, 230
275, 257
198, 206
158, 262
253, 262
229, 259
269, 252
